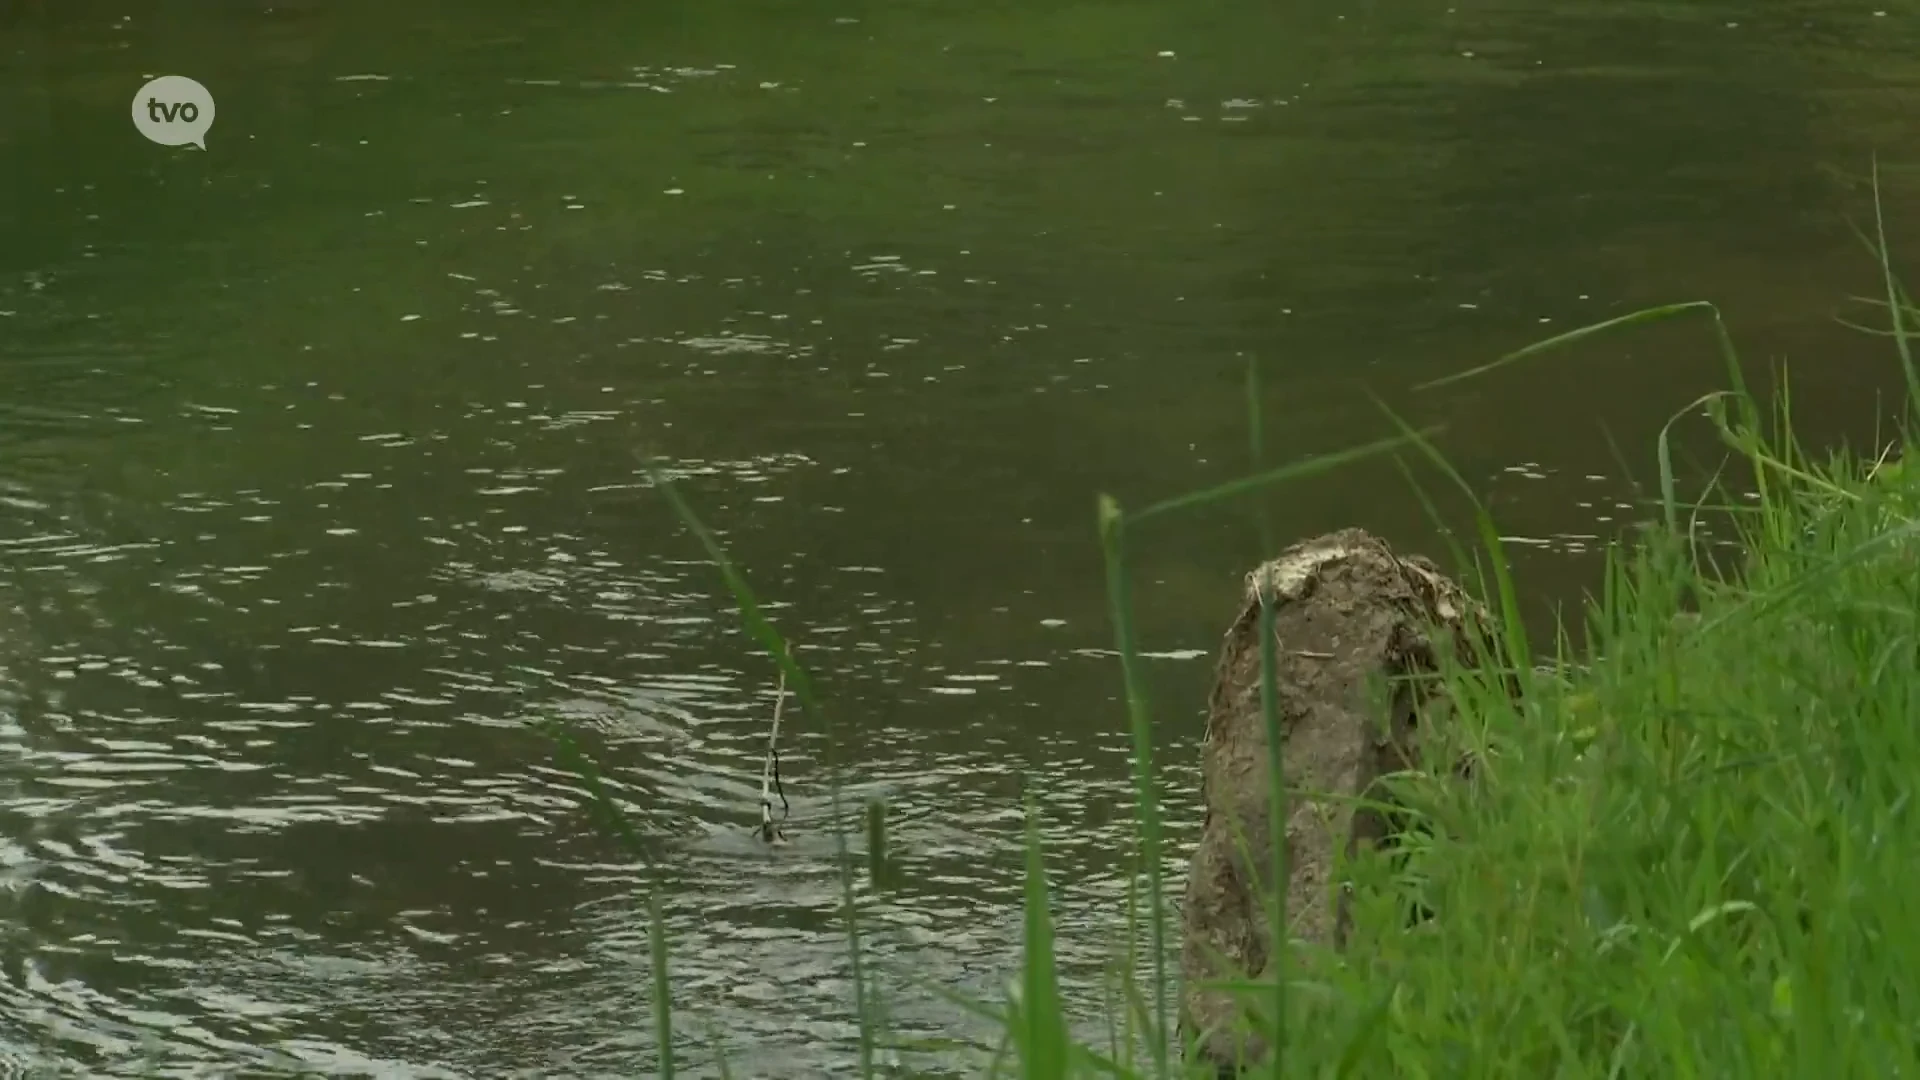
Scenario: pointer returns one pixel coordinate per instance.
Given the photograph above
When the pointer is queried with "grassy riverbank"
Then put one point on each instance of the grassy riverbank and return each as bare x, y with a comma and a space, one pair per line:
1693, 851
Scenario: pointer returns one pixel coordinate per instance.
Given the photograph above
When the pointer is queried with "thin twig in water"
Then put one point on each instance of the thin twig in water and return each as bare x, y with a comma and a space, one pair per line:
770, 830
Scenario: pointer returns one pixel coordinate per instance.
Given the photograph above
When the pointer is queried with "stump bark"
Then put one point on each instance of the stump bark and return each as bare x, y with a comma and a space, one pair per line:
1350, 617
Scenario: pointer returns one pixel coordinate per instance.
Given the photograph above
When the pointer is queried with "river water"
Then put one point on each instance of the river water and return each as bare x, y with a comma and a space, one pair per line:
320, 488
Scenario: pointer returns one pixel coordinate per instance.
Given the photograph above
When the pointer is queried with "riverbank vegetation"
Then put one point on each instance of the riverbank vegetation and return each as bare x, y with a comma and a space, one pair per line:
1691, 843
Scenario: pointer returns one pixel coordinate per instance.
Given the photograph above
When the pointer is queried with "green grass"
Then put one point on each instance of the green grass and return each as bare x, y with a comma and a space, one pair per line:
1691, 847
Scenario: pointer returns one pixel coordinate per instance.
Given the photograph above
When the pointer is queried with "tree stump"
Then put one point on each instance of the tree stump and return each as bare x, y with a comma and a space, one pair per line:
1348, 614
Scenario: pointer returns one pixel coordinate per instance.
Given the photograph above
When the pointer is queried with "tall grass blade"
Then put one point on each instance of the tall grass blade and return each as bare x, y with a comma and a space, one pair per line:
1041, 1033
751, 617
1513, 633
1571, 337
1663, 455
1433, 515
1365, 1033
877, 842
662, 989
1895, 307
1113, 527
1235, 488
1133, 1009
575, 761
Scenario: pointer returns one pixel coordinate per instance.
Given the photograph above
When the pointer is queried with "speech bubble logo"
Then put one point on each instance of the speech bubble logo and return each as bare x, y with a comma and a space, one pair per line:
173, 110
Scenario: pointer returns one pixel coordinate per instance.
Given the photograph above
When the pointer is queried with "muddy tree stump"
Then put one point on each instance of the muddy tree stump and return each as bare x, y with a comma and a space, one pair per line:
1349, 617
